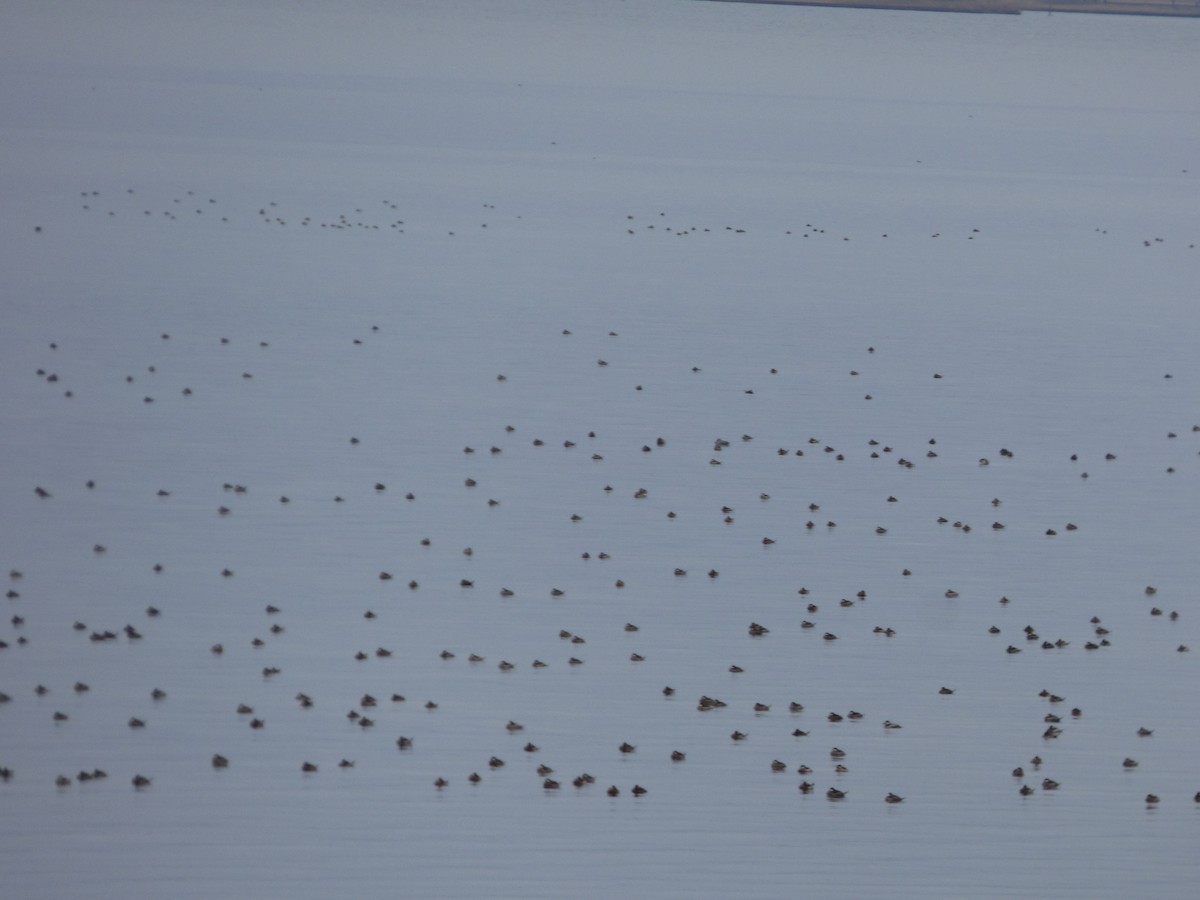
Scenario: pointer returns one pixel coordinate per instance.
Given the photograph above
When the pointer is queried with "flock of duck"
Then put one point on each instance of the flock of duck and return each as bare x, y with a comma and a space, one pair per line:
364, 714
377, 216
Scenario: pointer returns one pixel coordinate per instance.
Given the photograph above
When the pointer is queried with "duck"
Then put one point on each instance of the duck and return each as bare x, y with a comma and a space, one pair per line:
835, 794
219, 761
678, 756
893, 798
637, 790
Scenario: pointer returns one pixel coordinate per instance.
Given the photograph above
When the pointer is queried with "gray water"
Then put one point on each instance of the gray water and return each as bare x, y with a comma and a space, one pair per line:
335, 223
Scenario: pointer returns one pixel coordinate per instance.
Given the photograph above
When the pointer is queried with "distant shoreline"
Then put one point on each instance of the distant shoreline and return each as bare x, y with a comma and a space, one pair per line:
1188, 9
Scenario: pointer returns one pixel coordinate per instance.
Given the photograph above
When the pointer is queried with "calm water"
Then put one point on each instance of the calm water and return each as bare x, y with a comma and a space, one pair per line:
798, 231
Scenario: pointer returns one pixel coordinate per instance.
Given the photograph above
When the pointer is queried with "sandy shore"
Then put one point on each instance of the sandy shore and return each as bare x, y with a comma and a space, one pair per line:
1191, 8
